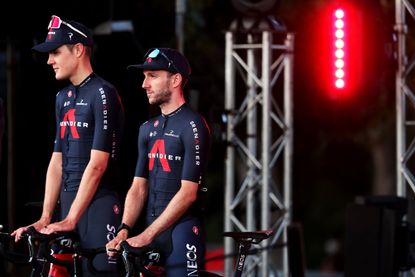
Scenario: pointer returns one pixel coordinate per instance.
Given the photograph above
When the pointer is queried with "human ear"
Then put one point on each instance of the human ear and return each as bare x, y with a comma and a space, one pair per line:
79, 49
177, 79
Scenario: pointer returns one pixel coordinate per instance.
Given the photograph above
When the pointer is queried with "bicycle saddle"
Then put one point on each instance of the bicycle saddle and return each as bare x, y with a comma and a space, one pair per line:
254, 237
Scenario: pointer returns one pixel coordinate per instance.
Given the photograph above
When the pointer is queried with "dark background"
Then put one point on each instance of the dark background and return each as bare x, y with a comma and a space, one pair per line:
343, 146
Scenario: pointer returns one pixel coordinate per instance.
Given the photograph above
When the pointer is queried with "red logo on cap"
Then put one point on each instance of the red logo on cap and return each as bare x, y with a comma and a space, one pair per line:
149, 60
50, 33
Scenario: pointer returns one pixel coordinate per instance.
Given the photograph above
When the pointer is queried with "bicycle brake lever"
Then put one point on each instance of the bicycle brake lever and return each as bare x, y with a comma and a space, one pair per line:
139, 252
135, 251
44, 240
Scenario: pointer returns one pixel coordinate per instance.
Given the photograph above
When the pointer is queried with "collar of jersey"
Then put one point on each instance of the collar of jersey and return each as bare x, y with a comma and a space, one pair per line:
174, 112
86, 80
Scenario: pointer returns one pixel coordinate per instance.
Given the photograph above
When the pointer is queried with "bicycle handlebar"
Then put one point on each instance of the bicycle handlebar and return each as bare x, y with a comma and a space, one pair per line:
44, 242
48, 238
78, 252
14, 257
128, 251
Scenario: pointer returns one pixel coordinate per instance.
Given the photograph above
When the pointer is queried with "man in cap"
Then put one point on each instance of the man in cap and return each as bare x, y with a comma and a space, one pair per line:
82, 173
172, 154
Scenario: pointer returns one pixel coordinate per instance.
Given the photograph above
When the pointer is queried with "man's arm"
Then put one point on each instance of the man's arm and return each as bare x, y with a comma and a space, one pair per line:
52, 187
52, 190
135, 200
87, 188
134, 204
179, 204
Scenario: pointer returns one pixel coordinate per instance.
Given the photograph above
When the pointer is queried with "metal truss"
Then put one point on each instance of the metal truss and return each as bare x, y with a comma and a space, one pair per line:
405, 107
260, 145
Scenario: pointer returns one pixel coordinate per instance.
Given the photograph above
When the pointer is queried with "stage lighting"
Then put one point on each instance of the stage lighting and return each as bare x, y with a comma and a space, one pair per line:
339, 46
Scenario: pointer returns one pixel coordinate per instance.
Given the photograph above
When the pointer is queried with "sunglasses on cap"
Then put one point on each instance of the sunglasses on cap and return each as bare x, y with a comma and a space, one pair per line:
55, 23
155, 52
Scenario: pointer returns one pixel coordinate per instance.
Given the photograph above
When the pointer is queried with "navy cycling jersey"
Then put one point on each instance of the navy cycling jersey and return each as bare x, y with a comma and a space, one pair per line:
88, 116
171, 148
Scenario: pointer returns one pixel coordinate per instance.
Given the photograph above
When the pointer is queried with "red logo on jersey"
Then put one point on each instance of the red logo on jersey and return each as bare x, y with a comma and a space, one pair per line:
116, 209
156, 123
69, 120
69, 93
158, 151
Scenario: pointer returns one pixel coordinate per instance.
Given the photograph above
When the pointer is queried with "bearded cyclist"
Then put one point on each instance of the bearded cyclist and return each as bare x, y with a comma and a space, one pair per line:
173, 149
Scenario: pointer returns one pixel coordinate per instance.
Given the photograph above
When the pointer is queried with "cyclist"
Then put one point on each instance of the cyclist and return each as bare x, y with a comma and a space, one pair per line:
172, 154
82, 172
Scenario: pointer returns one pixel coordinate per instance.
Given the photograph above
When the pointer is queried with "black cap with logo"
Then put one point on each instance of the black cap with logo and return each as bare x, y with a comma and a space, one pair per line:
165, 59
62, 32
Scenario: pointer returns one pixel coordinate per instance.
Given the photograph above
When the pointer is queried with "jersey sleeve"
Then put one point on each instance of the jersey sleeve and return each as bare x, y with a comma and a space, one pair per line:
196, 141
57, 143
141, 169
108, 113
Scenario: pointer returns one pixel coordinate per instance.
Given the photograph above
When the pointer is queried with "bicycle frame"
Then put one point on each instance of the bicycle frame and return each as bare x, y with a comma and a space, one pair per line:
244, 240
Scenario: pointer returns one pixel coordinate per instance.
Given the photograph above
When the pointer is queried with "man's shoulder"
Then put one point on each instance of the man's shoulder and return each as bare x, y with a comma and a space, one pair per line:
192, 115
189, 112
100, 85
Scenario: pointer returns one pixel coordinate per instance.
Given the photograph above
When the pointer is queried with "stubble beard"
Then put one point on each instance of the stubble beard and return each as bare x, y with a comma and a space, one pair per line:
161, 97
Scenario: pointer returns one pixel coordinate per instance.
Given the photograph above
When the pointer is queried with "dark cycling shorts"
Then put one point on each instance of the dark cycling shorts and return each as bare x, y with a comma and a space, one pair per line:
182, 248
96, 227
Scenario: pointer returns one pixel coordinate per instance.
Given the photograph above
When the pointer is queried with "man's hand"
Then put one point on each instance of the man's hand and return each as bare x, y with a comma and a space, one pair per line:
115, 242
140, 240
38, 225
61, 226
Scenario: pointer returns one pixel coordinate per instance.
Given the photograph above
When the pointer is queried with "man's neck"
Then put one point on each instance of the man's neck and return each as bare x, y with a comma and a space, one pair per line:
170, 107
82, 73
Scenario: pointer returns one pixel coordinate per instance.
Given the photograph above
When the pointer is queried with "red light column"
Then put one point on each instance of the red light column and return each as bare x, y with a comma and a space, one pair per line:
339, 49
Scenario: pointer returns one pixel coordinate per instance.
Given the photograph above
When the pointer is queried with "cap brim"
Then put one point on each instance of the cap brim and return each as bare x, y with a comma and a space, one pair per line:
46, 47
145, 67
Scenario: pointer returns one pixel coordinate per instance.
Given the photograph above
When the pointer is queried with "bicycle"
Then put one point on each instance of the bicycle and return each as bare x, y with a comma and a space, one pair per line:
136, 260
40, 257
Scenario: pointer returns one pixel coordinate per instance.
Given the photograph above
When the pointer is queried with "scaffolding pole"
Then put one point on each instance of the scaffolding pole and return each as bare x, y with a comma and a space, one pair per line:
259, 129
405, 98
